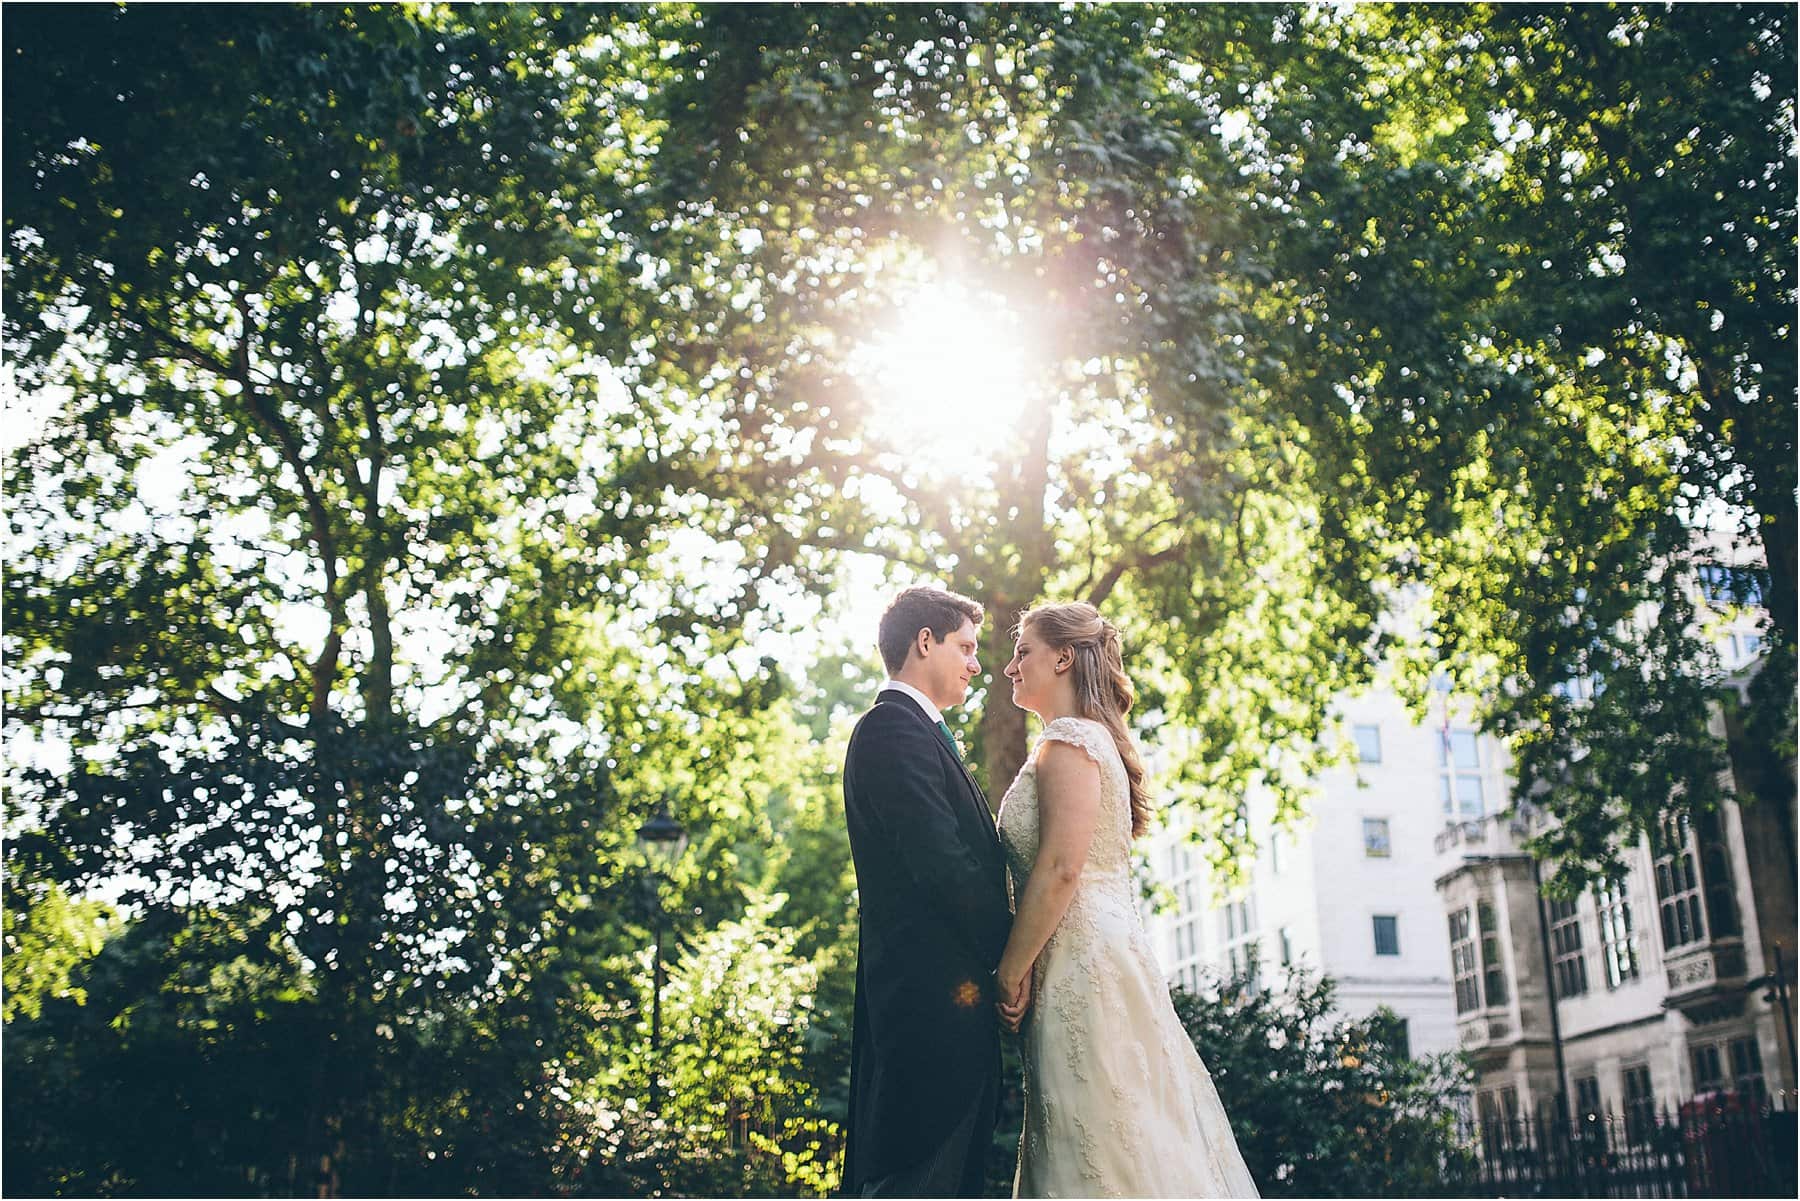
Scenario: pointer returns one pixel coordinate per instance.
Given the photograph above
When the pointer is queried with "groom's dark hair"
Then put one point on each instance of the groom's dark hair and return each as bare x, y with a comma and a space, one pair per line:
934, 609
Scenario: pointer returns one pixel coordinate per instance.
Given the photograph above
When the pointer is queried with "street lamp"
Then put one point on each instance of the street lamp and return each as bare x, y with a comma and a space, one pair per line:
662, 840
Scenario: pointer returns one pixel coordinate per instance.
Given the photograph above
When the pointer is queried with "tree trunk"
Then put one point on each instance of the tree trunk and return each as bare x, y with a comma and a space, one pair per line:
1002, 722
1778, 523
1003, 734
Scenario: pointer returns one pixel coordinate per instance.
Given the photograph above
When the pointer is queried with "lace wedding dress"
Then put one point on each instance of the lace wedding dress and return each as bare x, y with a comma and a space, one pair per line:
1117, 1102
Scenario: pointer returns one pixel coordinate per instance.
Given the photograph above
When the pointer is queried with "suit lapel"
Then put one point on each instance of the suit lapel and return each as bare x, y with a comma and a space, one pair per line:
974, 791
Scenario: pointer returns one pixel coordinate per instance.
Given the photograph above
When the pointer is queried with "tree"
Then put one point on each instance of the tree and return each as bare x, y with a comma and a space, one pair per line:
1337, 367
818, 166
394, 360
49, 935
1537, 300
322, 266
737, 1111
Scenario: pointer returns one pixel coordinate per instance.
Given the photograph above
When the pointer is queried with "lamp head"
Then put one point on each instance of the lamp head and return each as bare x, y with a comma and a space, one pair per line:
662, 839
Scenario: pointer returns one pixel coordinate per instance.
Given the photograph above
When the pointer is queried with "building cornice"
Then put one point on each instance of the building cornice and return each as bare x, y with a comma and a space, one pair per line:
1650, 1019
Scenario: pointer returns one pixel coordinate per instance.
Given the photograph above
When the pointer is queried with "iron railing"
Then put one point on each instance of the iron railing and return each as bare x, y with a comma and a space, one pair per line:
1717, 1145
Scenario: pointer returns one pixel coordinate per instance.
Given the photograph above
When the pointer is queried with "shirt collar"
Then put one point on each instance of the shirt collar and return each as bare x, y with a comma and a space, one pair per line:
924, 703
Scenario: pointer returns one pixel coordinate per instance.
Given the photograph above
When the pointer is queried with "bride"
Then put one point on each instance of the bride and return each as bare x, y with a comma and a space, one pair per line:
1117, 1102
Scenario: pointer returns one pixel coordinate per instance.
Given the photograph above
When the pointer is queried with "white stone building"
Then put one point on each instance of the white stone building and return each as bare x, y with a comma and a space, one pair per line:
1352, 893
1413, 848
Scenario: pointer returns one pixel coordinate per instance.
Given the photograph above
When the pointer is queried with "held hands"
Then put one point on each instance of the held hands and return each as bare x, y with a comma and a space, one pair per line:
1014, 986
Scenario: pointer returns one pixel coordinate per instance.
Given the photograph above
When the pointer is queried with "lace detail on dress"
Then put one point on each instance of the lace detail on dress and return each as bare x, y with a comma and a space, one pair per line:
1090, 736
1110, 852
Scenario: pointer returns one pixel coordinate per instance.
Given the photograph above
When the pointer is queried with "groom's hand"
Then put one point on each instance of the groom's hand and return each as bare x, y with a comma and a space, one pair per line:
1015, 997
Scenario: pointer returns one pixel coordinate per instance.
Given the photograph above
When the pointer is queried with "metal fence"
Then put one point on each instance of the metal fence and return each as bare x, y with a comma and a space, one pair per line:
1714, 1146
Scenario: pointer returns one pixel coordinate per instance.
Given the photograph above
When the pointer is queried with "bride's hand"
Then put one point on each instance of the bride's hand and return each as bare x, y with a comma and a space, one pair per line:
1015, 995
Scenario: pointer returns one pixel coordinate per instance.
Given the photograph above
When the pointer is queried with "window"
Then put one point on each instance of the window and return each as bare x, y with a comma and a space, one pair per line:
1462, 963
1403, 1038
1744, 647
1678, 886
1462, 797
1724, 585
1709, 1075
1494, 1135
1240, 822
1387, 935
1500, 1119
1276, 851
1368, 743
1240, 946
1459, 755
1618, 941
1287, 947
1715, 867
1376, 844
1492, 968
1244, 964
1747, 1070
1640, 1104
1566, 957
1460, 749
1464, 966
1577, 688
1587, 1096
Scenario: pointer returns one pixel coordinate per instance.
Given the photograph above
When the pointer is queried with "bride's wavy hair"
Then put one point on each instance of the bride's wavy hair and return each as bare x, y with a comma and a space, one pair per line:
1103, 691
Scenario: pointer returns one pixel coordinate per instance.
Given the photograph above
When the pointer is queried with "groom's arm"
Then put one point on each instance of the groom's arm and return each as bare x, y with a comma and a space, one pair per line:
900, 774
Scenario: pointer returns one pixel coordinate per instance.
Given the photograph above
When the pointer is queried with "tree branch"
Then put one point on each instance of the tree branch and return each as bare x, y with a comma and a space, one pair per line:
1140, 562
319, 519
230, 707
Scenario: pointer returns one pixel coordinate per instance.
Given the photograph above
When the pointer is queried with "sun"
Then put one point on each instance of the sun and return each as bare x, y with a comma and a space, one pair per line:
947, 381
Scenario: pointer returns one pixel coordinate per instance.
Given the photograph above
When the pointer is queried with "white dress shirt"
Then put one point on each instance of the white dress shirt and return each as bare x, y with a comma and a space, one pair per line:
931, 710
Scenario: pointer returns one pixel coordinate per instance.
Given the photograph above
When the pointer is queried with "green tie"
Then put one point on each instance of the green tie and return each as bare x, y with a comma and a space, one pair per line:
950, 739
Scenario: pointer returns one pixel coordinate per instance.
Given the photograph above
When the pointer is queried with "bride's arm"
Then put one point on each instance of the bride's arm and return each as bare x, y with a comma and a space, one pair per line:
1068, 792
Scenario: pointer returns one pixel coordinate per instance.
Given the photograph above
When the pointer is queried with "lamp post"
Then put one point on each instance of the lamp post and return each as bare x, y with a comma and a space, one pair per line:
662, 840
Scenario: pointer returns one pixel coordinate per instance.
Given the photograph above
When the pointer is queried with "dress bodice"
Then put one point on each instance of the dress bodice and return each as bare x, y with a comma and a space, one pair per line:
1109, 854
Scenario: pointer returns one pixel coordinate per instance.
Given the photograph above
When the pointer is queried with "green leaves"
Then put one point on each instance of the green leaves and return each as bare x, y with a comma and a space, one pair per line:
1323, 1105
305, 561
437, 402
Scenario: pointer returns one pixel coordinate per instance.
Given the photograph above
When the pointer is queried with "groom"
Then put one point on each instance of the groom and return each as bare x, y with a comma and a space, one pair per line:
931, 878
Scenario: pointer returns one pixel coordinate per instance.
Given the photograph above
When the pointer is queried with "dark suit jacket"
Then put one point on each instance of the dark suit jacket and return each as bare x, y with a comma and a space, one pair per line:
931, 879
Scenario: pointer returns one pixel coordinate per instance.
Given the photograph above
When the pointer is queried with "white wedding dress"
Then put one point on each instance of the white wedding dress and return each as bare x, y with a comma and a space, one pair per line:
1117, 1102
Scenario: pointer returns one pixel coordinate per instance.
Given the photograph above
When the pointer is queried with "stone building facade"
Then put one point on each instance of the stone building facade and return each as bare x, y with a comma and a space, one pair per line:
1351, 893
1634, 997
1409, 885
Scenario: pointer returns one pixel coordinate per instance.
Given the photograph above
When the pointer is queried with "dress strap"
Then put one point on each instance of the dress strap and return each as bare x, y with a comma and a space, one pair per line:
1080, 733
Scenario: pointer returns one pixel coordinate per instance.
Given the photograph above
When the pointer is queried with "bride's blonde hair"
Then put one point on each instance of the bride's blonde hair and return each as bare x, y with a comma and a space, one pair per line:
1103, 691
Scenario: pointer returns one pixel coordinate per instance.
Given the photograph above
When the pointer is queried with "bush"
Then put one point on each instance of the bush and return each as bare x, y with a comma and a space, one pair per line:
1324, 1105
